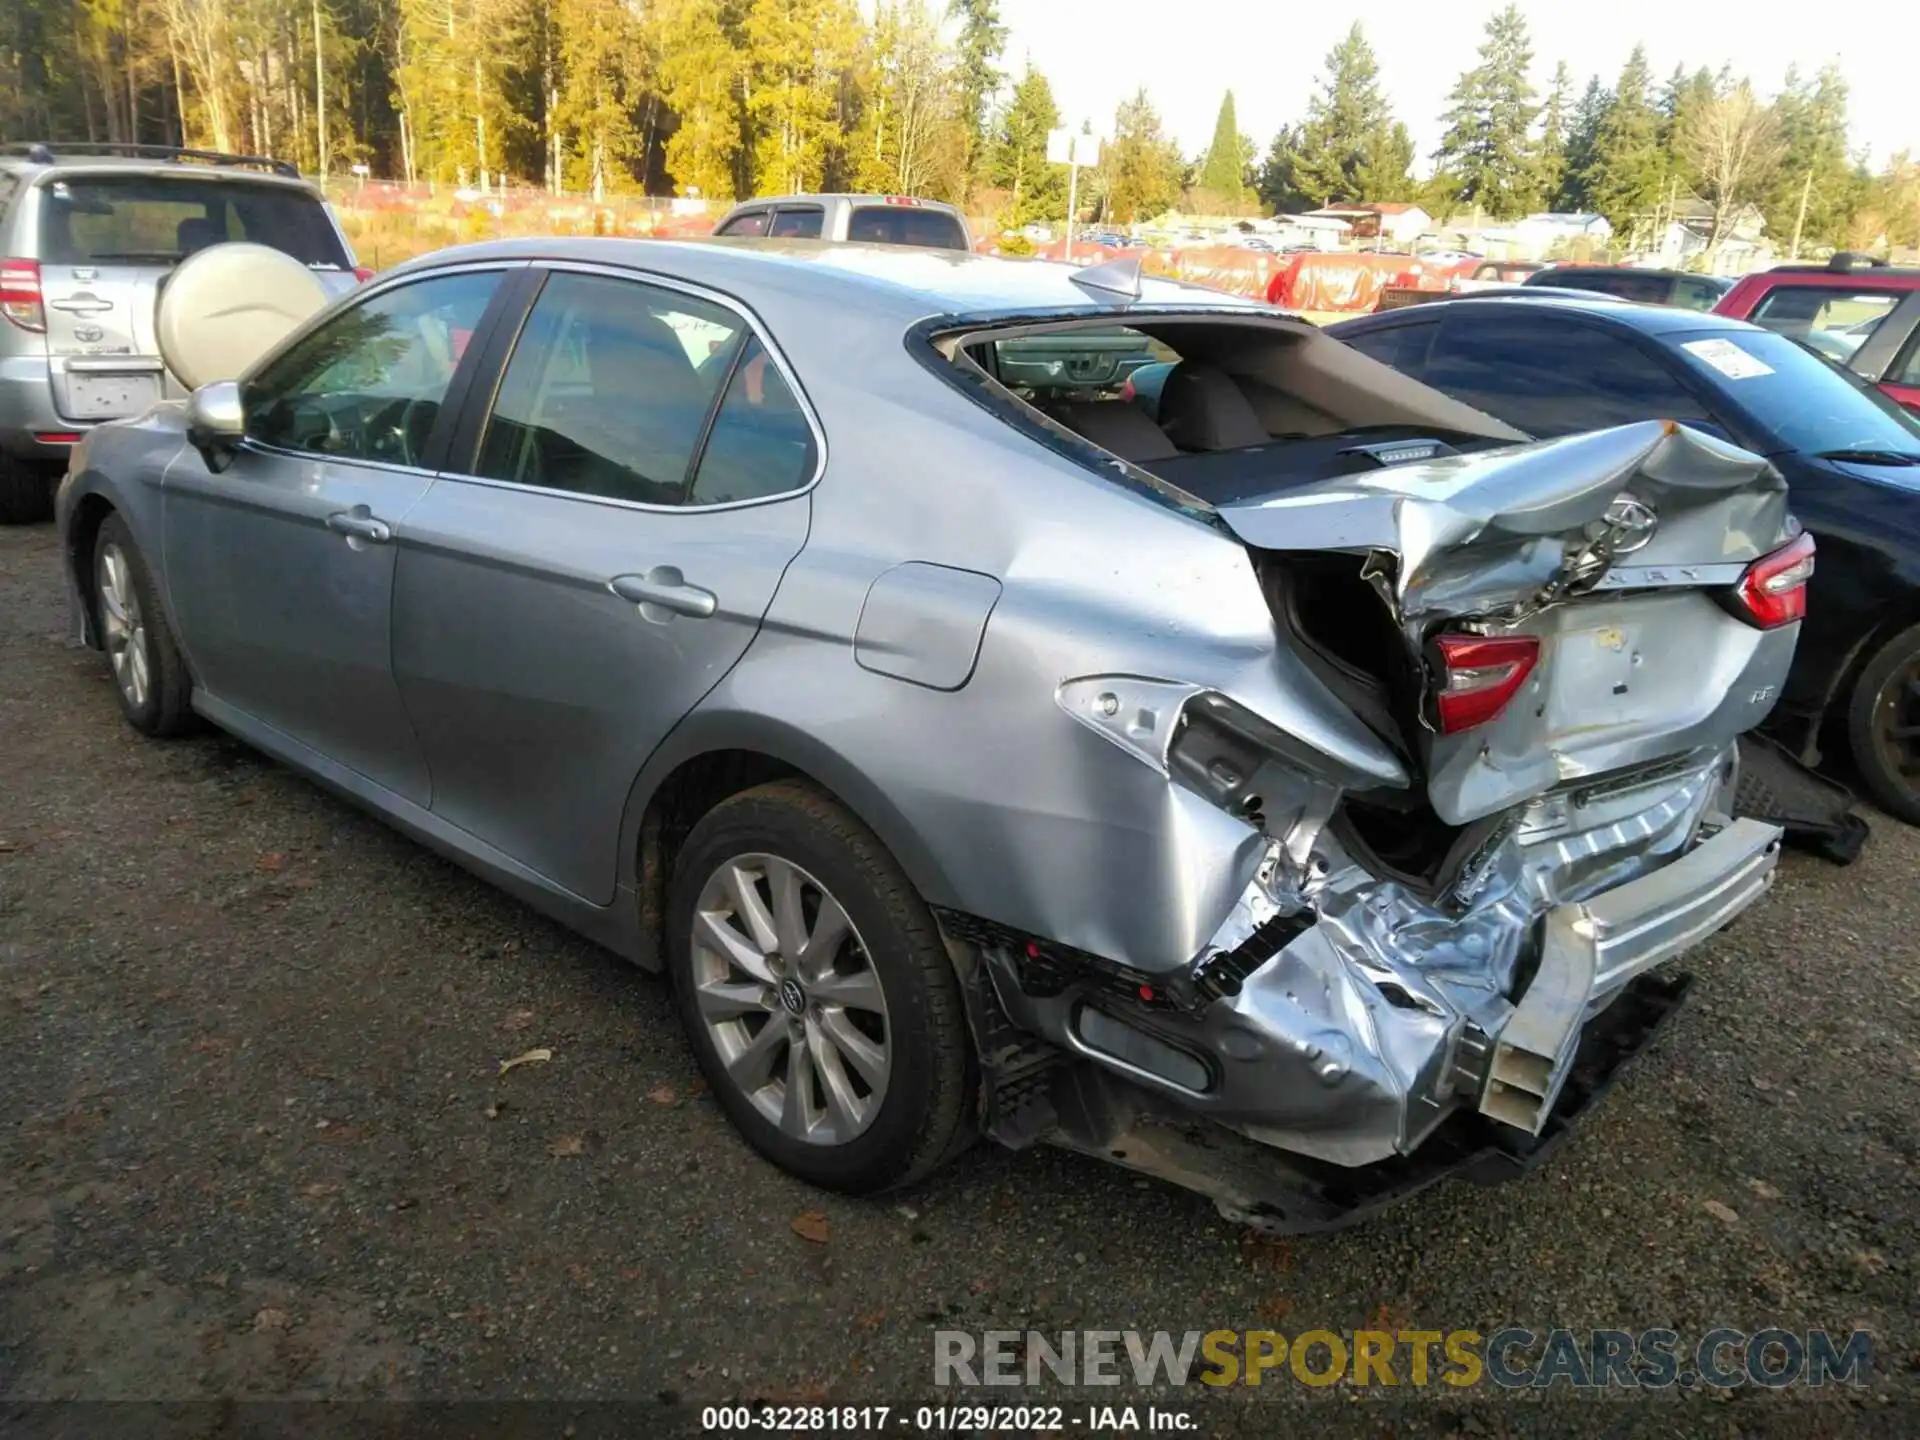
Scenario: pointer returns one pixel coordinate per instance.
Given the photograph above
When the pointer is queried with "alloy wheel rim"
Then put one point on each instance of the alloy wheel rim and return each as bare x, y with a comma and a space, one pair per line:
1896, 725
790, 998
125, 626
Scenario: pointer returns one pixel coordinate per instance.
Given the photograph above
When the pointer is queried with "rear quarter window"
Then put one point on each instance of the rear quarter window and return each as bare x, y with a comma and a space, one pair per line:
906, 225
162, 219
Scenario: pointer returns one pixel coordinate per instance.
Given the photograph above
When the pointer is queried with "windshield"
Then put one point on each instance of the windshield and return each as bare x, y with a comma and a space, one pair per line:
162, 219
1805, 403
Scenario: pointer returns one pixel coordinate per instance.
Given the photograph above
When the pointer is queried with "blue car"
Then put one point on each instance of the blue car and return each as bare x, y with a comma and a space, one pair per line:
1554, 365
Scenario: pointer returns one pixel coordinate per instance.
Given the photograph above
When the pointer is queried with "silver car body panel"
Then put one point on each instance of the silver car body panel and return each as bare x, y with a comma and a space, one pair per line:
988, 650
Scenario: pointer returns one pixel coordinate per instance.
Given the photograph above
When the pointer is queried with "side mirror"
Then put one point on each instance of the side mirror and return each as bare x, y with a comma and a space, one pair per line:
216, 421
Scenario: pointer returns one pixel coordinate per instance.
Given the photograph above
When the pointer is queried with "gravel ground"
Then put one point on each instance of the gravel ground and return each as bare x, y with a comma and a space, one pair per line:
256, 1144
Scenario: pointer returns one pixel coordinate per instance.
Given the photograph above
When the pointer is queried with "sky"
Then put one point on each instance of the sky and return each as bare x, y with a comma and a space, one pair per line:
1098, 52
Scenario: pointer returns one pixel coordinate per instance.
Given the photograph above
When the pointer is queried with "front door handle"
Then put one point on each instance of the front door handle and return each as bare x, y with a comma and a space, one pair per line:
360, 523
664, 592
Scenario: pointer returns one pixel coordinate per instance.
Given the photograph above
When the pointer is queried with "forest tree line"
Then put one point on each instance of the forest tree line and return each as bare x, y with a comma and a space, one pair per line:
730, 98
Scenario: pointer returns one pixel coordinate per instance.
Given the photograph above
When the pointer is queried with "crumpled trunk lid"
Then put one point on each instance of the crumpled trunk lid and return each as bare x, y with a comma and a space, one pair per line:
1609, 548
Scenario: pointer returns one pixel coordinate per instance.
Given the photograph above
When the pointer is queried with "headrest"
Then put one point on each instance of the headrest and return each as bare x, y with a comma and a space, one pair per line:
1203, 409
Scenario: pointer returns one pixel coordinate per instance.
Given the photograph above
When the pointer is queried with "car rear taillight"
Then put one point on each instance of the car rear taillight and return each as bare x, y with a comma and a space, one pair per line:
20, 294
1773, 592
1477, 675
363, 273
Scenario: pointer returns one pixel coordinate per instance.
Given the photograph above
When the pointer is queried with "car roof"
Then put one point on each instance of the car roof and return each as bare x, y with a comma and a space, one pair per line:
910, 282
904, 202
1633, 270
1648, 319
31, 159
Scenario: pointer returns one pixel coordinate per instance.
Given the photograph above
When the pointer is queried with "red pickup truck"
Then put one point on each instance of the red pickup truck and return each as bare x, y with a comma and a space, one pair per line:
1855, 309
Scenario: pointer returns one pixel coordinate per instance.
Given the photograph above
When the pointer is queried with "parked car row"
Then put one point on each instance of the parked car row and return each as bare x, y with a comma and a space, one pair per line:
1006, 698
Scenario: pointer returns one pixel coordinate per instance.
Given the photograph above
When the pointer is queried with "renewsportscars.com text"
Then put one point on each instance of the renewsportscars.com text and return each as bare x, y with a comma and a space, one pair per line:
1512, 1358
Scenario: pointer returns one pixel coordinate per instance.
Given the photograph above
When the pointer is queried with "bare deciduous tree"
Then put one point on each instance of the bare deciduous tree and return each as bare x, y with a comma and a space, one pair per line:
1732, 143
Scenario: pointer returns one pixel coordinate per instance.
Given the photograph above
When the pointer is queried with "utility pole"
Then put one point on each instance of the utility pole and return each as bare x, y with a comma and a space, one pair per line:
1800, 218
320, 92
1073, 196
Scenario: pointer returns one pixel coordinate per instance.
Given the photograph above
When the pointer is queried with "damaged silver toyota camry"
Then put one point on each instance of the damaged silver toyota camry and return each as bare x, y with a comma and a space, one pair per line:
1294, 790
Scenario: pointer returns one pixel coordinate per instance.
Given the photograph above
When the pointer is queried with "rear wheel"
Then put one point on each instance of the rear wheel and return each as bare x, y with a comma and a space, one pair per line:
816, 992
1883, 726
26, 491
149, 677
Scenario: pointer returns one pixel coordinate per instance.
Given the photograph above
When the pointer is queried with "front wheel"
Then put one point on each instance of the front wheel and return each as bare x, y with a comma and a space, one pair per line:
149, 677
816, 992
1883, 726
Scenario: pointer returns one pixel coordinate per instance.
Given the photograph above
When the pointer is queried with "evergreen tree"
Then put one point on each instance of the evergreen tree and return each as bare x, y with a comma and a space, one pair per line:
1019, 156
1683, 96
1278, 187
1141, 165
1629, 168
1583, 146
797, 56
982, 39
1223, 171
1815, 191
1486, 147
1346, 149
703, 78
1550, 155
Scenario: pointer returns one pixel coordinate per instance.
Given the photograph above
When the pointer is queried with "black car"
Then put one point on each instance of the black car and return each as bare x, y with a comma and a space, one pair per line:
1645, 287
1556, 365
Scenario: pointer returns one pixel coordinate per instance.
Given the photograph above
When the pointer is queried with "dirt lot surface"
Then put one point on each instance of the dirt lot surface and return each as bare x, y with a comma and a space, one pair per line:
256, 1143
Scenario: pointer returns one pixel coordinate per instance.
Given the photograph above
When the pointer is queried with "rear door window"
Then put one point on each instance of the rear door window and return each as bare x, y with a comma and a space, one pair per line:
1621, 284
1552, 376
162, 219
754, 222
798, 223
1404, 347
609, 390
906, 225
1834, 320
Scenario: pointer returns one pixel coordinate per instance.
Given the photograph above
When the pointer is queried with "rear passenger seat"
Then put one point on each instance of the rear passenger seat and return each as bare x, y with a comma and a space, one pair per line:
1116, 425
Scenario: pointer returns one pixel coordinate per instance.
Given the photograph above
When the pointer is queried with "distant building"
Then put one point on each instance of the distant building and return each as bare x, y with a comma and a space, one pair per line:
1390, 221
1322, 232
1685, 238
1547, 234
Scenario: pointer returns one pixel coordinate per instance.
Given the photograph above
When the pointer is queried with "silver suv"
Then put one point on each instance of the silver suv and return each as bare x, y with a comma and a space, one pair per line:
861, 219
88, 234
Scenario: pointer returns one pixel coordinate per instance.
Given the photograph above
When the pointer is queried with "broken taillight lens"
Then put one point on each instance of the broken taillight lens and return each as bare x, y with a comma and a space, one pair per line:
20, 294
1773, 592
1477, 676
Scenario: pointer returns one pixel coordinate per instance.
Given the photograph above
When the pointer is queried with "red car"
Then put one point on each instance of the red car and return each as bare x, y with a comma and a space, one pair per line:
1855, 309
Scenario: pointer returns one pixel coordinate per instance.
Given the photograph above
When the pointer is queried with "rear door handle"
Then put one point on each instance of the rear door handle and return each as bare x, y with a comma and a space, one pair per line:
360, 523
664, 591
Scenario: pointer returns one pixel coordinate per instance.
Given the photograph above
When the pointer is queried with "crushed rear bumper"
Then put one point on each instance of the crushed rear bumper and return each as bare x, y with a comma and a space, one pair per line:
1270, 1190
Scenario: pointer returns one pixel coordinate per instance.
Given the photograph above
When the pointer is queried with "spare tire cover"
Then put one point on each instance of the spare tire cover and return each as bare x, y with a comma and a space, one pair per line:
224, 307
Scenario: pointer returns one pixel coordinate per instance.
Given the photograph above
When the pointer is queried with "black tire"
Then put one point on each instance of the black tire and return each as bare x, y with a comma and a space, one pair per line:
1886, 697
26, 491
163, 706
925, 1114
